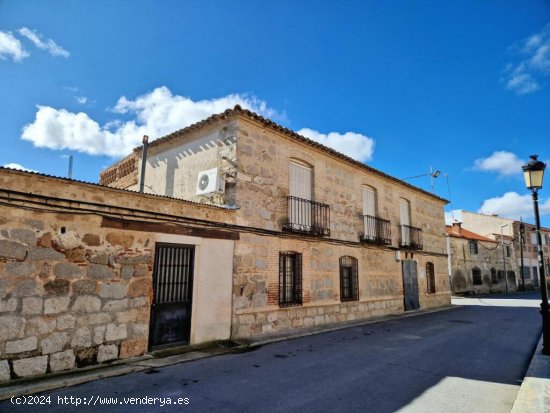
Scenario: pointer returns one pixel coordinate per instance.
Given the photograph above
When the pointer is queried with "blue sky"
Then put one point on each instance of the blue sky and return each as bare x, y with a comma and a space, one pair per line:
460, 86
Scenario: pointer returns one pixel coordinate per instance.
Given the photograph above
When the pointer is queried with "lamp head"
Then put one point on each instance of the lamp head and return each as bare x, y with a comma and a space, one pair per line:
533, 172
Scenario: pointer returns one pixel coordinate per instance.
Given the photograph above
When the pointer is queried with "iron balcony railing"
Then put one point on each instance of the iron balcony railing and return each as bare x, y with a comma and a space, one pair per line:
376, 230
411, 237
307, 216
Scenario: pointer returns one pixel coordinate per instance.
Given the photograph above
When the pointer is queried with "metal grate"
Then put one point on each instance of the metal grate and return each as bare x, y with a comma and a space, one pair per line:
411, 237
307, 216
473, 247
494, 278
290, 279
349, 279
430, 276
173, 270
376, 230
476, 276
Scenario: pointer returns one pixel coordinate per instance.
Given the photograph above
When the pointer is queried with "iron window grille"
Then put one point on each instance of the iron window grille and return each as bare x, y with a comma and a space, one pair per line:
430, 277
349, 279
377, 230
494, 278
307, 216
473, 248
508, 251
290, 279
411, 237
476, 276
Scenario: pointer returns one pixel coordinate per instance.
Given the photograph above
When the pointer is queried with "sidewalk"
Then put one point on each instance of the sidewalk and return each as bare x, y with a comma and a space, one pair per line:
151, 361
534, 393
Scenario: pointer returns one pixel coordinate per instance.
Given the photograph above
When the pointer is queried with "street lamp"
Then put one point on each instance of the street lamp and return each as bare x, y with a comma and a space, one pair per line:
533, 172
433, 174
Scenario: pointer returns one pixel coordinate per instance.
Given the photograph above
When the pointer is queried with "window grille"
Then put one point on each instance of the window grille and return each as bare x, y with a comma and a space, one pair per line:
349, 279
290, 279
430, 277
494, 278
473, 248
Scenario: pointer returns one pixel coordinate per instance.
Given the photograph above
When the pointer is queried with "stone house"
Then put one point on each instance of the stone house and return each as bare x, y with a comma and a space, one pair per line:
477, 262
490, 226
288, 234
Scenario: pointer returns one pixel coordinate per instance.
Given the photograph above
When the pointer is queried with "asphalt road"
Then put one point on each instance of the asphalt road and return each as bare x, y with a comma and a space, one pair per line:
467, 359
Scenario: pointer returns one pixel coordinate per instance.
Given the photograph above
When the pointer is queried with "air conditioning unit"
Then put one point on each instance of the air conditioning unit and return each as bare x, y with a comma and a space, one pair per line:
210, 182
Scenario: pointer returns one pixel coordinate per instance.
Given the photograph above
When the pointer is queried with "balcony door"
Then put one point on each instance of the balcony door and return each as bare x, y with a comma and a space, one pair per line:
300, 212
405, 218
369, 210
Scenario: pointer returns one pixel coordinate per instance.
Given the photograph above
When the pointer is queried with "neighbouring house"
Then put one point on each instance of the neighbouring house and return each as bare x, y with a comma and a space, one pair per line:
492, 226
245, 229
478, 263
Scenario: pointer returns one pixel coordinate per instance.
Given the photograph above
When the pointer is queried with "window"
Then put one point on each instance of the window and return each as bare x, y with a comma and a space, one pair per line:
349, 282
405, 217
507, 250
526, 271
430, 277
534, 240
290, 278
494, 278
473, 247
300, 211
476, 276
369, 209
535, 272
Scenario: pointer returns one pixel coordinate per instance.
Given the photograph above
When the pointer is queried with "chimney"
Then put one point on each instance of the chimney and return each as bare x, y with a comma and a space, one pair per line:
145, 142
457, 226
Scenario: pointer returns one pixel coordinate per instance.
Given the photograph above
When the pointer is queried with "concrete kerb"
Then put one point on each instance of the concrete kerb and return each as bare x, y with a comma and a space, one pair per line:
70, 378
534, 393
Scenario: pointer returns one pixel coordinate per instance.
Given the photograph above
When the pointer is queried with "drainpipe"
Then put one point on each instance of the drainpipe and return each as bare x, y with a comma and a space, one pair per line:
145, 142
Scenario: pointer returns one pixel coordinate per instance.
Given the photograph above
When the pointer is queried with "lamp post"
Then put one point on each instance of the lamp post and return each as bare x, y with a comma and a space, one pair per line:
533, 172
504, 255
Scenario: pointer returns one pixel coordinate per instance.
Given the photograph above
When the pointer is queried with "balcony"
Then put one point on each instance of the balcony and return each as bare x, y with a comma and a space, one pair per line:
307, 217
411, 237
376, 230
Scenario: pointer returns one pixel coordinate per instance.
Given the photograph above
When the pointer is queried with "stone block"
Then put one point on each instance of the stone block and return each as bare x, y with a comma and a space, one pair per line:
138, 330
102, 259
27, 288
120, 238
127, 272
4, 371
76, 254
67, 270
40, 325
25, 236
32, 366
56, 305
57, 287
39, 253
84, 287
108, 290
21, 269
138, 302
54, 343
86, 304
133, 348
101, 272
134, 259
20, 346
65, 322
99, 334
45, 240
64, 360
139, 287
32, 305
82, 337
115, 332
116, 305
92, 240
141, 271
107, 352
9, 305
97, 318
129, 316
11, 327
12, 249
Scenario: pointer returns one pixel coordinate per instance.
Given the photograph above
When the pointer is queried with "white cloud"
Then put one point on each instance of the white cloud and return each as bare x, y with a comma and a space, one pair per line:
502, 162
82, 100
354, 145
154, 114
10, 47
49, 45
512, 205
17, 166
521, 77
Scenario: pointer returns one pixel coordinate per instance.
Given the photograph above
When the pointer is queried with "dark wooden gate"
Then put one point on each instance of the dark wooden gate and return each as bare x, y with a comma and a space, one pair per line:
410, 285
172, 295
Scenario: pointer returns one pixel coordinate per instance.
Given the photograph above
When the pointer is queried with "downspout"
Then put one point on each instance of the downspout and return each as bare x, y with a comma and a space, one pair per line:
145, 142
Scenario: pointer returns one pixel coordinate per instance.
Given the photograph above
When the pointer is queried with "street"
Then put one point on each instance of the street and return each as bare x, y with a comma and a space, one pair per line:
467, 359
